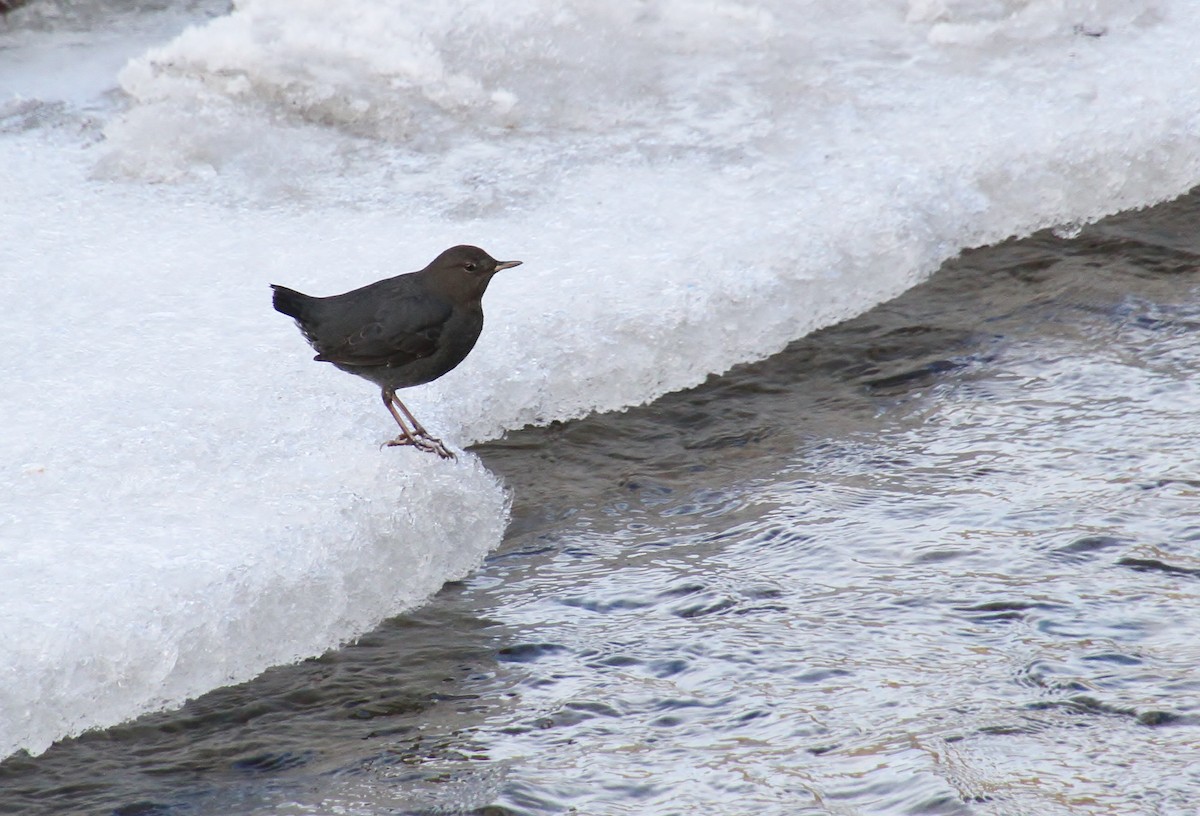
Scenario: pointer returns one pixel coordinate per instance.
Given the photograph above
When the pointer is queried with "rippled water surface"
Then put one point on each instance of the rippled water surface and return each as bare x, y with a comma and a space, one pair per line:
940, 559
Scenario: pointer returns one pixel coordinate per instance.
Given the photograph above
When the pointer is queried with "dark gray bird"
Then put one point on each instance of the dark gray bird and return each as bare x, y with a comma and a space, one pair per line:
403, 331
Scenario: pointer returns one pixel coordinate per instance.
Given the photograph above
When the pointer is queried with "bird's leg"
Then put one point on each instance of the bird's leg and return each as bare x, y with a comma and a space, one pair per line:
406, 436
417, 427
418, 437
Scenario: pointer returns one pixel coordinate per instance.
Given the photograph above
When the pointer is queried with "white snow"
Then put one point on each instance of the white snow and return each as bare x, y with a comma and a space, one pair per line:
186, 498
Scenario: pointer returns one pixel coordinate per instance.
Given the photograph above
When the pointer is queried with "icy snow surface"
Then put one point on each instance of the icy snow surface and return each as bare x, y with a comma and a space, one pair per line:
186, 498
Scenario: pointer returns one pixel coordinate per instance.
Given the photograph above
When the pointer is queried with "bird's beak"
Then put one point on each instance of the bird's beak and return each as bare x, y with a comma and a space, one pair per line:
506, 264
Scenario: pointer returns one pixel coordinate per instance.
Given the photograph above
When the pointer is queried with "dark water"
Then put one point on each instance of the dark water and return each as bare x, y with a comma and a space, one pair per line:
941, 559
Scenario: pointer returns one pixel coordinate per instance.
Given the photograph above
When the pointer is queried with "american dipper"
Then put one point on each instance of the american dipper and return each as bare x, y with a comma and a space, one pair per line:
402, 331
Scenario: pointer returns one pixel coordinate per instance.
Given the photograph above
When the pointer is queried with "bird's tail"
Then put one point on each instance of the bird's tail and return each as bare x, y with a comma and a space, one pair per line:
290, 302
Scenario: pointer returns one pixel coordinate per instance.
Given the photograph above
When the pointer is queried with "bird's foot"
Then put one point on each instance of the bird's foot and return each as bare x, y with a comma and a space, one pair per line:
435, 445
425, 442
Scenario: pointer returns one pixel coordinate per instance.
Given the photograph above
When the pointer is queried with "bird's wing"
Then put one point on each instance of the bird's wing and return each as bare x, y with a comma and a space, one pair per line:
400, 331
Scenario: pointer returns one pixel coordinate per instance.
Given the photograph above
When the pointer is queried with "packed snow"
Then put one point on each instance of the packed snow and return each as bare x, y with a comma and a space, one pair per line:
188, 499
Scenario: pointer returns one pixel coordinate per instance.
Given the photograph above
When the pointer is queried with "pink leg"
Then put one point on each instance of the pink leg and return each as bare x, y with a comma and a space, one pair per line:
418, 437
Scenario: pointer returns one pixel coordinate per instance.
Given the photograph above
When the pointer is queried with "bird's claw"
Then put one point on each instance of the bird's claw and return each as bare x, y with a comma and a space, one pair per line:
430, 444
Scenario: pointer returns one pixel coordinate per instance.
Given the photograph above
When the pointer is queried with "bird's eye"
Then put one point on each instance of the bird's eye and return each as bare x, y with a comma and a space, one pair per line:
470, 267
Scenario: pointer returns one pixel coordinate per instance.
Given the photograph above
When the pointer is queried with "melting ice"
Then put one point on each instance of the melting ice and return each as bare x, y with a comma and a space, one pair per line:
188, 499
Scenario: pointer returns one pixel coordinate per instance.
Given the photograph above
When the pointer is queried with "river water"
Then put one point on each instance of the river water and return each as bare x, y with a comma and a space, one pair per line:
939, 559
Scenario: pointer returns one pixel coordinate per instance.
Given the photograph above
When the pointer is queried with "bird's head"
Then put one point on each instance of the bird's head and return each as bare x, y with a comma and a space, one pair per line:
468, 267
